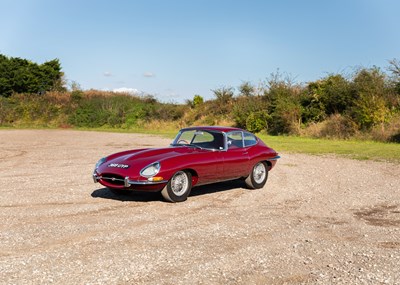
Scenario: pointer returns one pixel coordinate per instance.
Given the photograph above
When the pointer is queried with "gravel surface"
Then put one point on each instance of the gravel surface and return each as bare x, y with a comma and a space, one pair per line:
318, 220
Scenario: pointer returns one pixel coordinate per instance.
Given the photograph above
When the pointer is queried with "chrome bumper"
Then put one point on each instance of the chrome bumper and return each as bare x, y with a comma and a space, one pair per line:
128, 182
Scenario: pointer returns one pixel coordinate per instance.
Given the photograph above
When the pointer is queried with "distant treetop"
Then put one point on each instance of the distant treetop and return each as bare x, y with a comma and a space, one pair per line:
19, 75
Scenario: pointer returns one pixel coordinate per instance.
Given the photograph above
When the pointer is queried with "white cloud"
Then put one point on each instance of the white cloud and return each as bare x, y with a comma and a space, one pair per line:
131, 91
107, 74
149, 74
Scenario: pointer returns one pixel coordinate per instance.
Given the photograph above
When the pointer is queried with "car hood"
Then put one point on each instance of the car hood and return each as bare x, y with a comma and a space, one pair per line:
135, 160
153, 154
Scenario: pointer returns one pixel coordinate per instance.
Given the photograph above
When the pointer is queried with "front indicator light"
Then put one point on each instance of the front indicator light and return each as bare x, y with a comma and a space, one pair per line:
155, 179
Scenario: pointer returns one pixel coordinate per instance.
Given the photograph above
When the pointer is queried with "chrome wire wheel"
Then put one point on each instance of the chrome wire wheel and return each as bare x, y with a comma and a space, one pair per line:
258, 176
178, 187
179, 183
259, 172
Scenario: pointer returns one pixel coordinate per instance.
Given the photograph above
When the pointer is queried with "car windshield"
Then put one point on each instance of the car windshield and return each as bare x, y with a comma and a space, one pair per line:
200, 139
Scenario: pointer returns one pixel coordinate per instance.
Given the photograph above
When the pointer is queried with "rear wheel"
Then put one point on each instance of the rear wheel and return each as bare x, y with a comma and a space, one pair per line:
258, 176
178, 187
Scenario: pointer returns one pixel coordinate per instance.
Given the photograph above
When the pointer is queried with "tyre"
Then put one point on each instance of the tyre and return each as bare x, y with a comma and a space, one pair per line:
258, 176
178, 187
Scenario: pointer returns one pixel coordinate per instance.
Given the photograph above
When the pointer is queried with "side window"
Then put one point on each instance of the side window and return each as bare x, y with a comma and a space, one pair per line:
235, 140
249, 139
208, 140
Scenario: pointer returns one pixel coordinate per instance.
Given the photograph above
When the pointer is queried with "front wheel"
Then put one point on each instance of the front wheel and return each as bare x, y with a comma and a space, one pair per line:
178, 187
258, 176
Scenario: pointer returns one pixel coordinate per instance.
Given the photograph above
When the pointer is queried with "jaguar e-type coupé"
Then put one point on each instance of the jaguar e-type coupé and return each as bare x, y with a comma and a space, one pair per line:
197, 156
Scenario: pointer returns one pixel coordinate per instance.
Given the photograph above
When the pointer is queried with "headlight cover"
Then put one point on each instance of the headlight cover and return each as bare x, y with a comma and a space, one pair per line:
151, 170
100, 162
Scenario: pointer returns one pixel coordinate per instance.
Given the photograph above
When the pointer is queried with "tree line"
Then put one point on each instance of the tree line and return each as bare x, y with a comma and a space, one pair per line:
363, 104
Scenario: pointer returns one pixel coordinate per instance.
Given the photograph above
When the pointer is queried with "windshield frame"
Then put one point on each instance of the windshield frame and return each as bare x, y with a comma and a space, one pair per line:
197, 132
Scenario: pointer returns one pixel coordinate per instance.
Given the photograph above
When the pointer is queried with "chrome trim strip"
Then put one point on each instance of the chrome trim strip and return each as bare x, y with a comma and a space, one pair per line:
128, 183
275, 158
95, 178
147, 182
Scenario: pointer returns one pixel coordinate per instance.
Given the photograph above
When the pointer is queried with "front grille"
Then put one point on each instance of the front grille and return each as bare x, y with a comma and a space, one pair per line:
113, 179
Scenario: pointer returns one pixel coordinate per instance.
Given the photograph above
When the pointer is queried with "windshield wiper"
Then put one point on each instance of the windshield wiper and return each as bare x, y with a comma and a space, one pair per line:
186, 144
196, 146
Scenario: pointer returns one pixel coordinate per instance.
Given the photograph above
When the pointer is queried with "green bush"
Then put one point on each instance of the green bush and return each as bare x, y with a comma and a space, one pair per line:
168, 112
286, 116
244, 106
197, 100
257, 121
370, 105
339, 126
111, 111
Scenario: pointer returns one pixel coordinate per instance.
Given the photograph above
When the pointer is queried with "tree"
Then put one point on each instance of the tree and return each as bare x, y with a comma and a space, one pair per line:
336, 94
23, 76
224, 94
394, 67
286, 117
246, 89
370, 106
224, 97
283, 98
325, 97
197, 100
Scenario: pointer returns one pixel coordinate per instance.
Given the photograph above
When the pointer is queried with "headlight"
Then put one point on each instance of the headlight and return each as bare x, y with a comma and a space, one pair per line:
151, 170
100, 162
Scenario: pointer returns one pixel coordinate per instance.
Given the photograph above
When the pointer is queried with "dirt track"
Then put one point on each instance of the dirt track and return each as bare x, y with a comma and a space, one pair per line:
319, 220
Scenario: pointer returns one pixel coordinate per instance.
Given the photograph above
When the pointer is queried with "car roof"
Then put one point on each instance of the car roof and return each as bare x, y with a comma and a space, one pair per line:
213, 128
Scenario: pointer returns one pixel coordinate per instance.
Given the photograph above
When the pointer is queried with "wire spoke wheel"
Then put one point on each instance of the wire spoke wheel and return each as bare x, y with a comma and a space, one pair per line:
178, 187
259, 173
258, 176
179, 183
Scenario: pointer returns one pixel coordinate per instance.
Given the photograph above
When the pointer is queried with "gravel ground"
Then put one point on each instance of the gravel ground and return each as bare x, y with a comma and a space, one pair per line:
318, 220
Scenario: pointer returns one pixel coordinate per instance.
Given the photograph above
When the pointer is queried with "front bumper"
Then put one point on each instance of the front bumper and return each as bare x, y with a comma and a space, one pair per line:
127, 183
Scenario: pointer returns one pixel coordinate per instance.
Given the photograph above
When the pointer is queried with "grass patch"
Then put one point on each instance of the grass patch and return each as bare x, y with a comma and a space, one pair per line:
361, 150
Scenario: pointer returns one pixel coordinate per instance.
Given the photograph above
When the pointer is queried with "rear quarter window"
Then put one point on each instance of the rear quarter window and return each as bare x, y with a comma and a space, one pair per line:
249, 139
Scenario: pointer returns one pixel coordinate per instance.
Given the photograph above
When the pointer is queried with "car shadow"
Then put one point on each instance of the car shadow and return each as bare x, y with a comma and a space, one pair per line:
131, 196
217, 187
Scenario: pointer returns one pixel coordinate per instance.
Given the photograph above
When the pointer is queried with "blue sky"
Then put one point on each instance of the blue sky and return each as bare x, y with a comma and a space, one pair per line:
178, 48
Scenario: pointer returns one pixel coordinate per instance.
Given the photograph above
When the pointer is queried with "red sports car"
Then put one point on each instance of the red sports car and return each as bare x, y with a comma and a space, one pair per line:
197, 156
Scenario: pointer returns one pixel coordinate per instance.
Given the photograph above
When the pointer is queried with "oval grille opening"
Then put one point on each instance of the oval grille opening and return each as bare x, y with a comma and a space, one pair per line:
113, 179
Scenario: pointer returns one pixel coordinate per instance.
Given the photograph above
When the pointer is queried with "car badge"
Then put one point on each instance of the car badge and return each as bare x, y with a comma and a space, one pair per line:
117, 165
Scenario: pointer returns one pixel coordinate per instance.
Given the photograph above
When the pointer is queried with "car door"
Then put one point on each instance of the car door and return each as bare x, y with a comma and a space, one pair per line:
209, 160
236, 157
